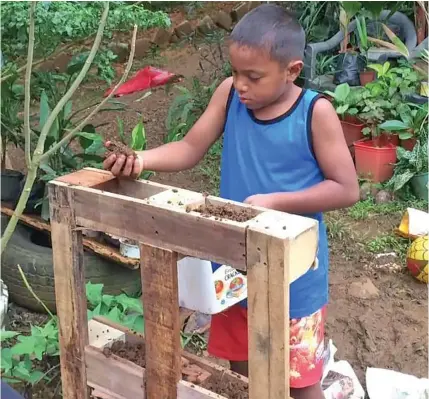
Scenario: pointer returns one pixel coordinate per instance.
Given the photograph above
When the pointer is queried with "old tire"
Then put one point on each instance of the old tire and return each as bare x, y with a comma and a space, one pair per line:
36, 263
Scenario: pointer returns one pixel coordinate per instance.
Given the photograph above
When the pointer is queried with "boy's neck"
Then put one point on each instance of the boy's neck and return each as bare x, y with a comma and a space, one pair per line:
282, 105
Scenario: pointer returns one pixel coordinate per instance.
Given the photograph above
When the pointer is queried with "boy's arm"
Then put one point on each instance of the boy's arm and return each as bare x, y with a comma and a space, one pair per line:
340, 188
183, 154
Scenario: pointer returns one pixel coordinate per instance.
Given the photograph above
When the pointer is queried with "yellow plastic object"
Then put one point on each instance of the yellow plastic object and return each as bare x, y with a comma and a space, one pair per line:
418, 257
414, 224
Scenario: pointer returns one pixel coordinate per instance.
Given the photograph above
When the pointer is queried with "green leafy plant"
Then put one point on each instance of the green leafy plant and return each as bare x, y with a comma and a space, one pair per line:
137, 141
395, 45
122, 309
348, 9
347, 101
12, 97
187, 107
17, 361
409, 164
412, 123
58, 22
363, 36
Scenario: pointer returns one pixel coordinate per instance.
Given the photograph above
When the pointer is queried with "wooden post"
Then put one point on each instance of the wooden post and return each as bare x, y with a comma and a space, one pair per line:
162, 322
69, 293
268, 315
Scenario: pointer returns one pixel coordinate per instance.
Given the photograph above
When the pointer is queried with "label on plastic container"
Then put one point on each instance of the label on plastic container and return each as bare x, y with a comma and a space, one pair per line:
230, 287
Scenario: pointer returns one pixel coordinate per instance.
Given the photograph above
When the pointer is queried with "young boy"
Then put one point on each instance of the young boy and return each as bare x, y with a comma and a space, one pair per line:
283, 149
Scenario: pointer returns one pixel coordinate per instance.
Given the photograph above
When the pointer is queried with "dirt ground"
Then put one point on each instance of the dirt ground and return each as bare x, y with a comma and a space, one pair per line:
377, 315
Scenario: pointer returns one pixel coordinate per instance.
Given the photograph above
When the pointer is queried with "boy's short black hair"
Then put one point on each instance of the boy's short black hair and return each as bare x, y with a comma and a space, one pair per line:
272, 28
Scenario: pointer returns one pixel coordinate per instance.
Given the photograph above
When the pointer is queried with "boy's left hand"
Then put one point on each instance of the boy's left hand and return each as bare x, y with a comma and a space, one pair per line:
263, 200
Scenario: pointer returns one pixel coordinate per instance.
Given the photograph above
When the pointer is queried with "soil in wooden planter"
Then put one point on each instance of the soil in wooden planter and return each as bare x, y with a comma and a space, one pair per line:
118, 148
136, 354
227, 211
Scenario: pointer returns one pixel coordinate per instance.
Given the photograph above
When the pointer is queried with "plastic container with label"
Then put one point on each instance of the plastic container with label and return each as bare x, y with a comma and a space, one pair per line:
204, 291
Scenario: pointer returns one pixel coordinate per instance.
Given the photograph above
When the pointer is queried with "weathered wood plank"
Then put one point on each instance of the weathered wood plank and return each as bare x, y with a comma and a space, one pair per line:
87, 177
115, 374
174, 229
272, 256
69, 293
162, 321
186, 390
268, 317
123, 379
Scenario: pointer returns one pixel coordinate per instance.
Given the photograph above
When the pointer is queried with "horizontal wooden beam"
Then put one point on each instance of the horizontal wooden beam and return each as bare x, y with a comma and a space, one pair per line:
188, 233
165, 217
125, 379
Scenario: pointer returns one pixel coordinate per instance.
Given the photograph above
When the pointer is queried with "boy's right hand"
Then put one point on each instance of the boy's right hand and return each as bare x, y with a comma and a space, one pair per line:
122, 166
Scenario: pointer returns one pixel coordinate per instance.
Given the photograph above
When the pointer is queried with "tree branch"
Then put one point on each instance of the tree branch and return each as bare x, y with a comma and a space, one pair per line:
63, 101
77, 129
27, 98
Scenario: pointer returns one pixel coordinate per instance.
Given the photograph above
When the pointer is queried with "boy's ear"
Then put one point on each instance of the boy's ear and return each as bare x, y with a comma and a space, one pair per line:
294, 69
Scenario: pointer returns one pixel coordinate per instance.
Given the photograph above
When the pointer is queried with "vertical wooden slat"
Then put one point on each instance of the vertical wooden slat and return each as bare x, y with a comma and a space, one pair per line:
69, 293
162, 321
268, 315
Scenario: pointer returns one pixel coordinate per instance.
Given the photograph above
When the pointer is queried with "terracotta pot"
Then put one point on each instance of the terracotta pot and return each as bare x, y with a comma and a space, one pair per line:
352, 131
366, 77
409, 144
352, 119
374, 163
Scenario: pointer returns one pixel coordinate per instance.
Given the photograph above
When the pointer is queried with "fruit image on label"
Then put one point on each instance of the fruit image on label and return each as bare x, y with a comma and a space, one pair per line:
219, 288
235, 287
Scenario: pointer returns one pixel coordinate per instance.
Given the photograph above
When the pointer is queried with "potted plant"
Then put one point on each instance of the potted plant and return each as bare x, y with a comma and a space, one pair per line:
346, 103
366, 75
374, 156
412, 169
410, 126
11, 133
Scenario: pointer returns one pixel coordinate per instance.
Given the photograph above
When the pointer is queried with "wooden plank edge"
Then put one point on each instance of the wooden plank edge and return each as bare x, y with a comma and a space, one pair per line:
122, 377
155, 233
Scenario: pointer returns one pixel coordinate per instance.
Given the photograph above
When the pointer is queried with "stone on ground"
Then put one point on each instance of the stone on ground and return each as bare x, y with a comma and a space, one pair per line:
184, 29
363, 289
162, 37
223, 20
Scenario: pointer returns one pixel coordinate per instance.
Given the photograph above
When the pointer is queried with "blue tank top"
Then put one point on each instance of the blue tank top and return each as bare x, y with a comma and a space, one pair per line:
266, 156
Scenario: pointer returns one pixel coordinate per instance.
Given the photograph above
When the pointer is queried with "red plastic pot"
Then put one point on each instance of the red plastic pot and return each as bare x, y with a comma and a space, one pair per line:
409, 144
366, 77
352, 131
374, 163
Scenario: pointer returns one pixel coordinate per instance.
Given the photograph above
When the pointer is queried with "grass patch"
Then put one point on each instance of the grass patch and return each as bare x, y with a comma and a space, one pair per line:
336, 228
388, 243
364, 209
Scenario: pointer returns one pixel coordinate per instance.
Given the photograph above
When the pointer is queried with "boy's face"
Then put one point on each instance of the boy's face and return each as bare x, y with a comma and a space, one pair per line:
259, 80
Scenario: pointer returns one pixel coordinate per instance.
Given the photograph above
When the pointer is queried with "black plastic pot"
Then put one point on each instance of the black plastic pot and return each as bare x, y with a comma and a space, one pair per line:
10, 185
34, 203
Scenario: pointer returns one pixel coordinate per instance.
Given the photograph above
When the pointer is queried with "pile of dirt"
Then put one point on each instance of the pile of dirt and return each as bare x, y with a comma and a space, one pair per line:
134, 353
118, 148
190, 372
228, 389
227, 211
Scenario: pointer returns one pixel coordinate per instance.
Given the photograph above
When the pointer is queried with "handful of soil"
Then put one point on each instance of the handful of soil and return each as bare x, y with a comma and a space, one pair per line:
118, 148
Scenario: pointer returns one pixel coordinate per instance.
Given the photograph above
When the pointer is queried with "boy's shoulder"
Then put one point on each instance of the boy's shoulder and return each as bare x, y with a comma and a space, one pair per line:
221, 94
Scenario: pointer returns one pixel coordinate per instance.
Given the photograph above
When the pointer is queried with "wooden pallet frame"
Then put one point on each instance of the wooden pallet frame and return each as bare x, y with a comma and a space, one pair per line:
274, 248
